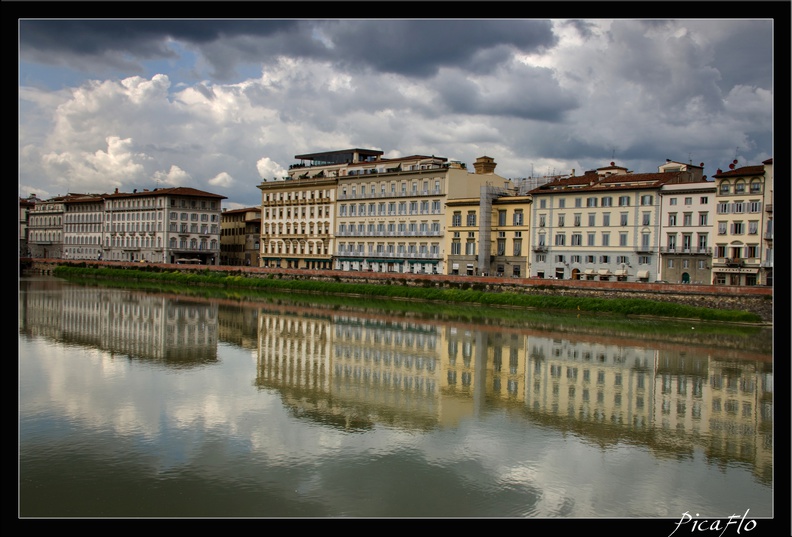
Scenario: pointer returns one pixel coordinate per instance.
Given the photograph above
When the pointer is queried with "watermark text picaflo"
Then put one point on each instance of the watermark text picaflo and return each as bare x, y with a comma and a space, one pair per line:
735, 522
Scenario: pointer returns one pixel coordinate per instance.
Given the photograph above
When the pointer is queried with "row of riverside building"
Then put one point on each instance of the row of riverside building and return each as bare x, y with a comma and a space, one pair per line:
353, 210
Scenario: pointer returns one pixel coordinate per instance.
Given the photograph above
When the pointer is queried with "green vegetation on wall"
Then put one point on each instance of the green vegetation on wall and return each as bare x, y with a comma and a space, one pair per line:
400, 291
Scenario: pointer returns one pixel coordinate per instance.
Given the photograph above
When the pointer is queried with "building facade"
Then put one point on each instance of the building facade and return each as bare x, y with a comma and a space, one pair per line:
45, 228
297, 217
490, 234
686, 218
164, 225
240, 236
743, 253
83, 216
603, 225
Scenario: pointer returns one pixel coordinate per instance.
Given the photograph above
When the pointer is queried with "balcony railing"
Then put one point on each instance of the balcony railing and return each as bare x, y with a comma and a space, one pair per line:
685, 251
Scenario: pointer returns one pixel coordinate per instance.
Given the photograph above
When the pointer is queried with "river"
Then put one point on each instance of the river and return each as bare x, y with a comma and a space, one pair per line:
155, 403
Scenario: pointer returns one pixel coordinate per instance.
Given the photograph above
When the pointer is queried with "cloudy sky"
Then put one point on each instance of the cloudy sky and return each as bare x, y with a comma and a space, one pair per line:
221, 105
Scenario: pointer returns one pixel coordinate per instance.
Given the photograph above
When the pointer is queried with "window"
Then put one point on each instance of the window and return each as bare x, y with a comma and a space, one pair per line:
577, 239
501, 218
591, 202
739, 188
577, 220
687, 219
721, 228
646, 219
560, 220
471, 218
723, 208
590, 239
576, 259
541, 220
737, 228
622, 239
456, 247
754, 206
739, 207
560, 239
753, 227
501, 246
517, 247
703, 219
703, 200
670, 263
578, 202
605, 239
672, 219
518, 217
688, 201
624, 201
643, 259
560, 259
561, 203
724, 187
606, 219
702, 242
623, 219
607, 201
542, 204
592, 219
647, 199
589, 259
456, 219
604, 259
672, 201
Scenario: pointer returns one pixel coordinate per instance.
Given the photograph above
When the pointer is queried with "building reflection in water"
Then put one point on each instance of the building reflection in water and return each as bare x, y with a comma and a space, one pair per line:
359, 370
160, 328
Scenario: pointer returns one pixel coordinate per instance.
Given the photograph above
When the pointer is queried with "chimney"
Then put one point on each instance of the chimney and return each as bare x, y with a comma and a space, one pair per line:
484, 165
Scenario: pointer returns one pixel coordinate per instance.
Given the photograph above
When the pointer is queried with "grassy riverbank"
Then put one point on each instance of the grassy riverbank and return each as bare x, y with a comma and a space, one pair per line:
615, 306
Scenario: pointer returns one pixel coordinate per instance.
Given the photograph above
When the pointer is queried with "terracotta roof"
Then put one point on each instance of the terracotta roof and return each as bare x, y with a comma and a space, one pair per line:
246, 209
741, 172
591, 182
176, 191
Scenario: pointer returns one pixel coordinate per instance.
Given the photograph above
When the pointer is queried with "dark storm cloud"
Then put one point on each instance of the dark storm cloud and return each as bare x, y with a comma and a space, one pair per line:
518, 91
420, 48
416, 48
143, 38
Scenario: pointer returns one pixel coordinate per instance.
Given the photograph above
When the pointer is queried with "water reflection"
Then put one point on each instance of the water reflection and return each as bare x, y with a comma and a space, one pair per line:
356, 372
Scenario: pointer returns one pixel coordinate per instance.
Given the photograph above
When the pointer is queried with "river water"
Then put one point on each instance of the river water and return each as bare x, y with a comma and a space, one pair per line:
154, 403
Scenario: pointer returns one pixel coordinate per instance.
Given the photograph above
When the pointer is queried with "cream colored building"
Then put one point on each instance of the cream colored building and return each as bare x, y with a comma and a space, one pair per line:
743, 253
297, 217
385, 215
603, 225
686, 216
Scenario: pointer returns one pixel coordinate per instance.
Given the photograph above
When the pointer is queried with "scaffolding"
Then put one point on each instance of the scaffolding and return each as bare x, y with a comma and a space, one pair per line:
488, 194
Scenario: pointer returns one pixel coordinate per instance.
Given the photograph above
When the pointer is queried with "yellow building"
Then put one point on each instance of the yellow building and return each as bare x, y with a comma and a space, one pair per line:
240, 235
488, 234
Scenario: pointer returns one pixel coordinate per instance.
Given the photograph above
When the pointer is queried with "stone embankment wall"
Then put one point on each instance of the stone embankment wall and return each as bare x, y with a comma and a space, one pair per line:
757, 299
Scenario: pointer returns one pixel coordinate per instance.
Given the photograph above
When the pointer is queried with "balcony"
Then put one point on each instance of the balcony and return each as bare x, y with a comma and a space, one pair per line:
644, 249
768, 236
769, 207
540, 248
734, 262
